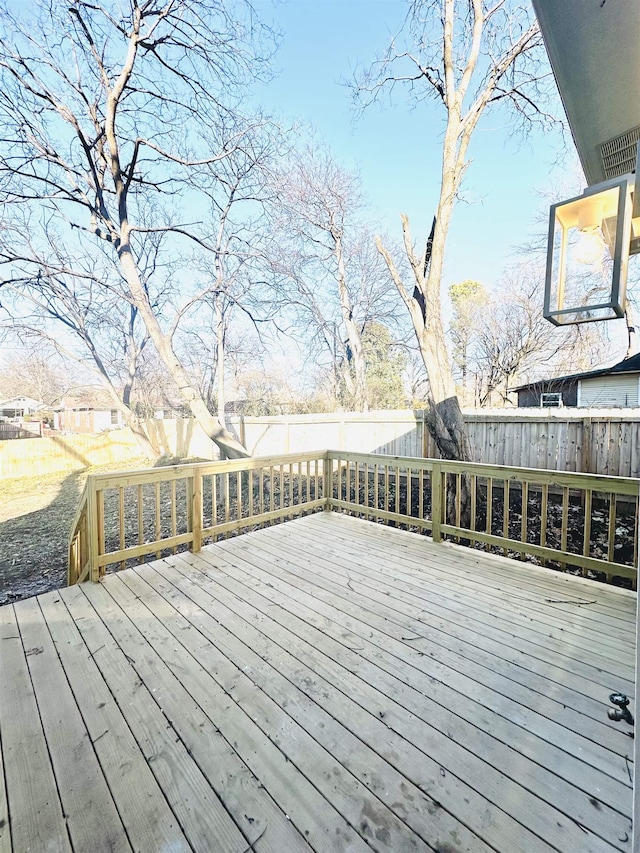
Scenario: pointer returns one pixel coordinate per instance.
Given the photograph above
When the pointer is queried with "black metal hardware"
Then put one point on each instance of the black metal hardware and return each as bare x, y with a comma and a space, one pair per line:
622, 712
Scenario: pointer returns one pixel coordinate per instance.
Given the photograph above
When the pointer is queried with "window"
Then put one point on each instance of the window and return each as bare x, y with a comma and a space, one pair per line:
551, 400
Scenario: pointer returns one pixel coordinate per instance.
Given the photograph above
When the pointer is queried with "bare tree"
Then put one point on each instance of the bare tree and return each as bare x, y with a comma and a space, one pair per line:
467, 55
113, 115
468, 299
78, 307
35, 373
233, 275
512, 342
329, 272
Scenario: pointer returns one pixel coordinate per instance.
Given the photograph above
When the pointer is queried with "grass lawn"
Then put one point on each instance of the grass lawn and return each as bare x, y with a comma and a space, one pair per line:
35, 516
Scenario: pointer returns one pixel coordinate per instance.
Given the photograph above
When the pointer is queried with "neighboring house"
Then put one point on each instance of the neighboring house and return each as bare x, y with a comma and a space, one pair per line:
607, 388
86, 417
18, 407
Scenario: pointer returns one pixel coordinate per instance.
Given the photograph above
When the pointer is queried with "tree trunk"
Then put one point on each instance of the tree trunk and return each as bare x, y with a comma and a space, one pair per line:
140, 434
228, 445
220, 365
444, 419
123, 404
353, 333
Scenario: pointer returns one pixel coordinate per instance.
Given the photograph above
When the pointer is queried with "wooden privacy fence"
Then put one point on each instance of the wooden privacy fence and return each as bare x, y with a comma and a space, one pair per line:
590, 441
28, 429
585, 522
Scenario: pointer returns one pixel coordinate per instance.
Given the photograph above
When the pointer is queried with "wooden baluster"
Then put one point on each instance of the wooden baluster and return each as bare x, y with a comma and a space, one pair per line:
158, 521
214, 503
283, 492
121, 537
586, 542
197, 510
524, 522
174, 520
436, 502
565, 523
227, 508
505, 516
611, 538
397, 509
487, 547
140, 520
101, 532
473, 479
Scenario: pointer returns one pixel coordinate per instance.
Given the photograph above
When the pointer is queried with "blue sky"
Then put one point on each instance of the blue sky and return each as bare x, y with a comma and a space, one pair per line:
397, 150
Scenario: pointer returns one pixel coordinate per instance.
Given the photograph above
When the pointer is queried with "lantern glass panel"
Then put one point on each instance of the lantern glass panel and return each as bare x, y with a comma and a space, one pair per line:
587, 256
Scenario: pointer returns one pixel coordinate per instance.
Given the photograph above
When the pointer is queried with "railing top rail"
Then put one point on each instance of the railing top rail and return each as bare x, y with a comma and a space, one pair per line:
175, 472
542, 476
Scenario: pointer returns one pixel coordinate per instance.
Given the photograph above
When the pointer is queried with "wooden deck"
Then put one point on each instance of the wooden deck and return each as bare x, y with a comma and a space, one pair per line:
326, 684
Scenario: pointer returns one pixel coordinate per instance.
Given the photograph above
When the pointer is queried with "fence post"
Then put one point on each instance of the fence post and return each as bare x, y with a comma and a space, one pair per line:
586, 446
436, 502
92, 528
196, 512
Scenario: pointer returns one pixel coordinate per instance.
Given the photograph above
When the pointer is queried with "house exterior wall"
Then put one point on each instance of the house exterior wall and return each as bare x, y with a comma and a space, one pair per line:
605, 392
530, 396
88, 420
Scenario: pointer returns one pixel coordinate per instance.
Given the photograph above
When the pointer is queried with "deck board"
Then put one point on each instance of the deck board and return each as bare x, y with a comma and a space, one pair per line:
511, 624
326, 684
392, 631
494, 647
219, 689
466, 774
180, 779
88, 807
36, 816
518, 611
149, 822
424, 698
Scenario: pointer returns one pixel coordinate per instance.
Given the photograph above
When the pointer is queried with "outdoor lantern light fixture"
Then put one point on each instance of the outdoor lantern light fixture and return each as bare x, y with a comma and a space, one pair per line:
590, 240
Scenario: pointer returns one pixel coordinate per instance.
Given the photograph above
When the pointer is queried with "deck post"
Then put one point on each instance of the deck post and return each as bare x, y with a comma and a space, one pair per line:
196, 512
93, 535
436, 502
327, 466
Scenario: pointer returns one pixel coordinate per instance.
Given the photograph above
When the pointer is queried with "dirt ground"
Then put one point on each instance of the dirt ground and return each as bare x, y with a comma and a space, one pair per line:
35, 516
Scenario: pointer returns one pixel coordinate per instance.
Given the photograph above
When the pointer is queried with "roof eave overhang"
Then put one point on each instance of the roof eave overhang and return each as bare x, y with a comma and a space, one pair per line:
593, 49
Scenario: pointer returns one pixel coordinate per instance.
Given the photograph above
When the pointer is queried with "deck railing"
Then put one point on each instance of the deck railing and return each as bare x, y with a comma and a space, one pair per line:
125, 517
586, 522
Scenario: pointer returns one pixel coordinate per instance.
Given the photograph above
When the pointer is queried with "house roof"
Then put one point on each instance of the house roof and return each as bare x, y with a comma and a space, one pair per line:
593, 50
92, 398
627, 365
21, 403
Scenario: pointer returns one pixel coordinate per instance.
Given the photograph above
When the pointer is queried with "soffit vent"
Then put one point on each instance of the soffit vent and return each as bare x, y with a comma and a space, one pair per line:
619, 154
